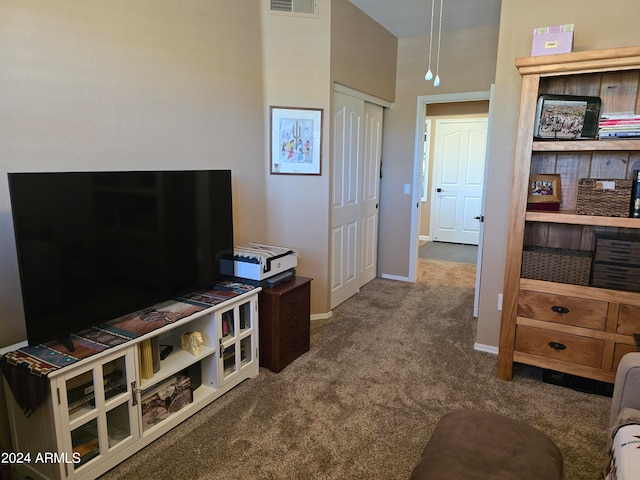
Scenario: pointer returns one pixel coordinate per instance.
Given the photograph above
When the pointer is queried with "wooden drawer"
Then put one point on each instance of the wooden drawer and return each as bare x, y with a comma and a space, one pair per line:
295, 302
617, 255
619, 251
292, 348
620, 350
293, 325
616, 284
559, 346
623, 273
628, 320
617, 277
619, 245
580, 312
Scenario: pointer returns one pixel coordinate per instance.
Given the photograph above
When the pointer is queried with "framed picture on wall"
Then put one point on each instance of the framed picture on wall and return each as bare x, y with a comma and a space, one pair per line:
296, 140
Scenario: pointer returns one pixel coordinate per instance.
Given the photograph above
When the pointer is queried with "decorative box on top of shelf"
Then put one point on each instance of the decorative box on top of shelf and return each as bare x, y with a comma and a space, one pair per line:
545, 323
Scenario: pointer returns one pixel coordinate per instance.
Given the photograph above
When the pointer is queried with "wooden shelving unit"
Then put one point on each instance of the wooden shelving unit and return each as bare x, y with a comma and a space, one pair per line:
574, 329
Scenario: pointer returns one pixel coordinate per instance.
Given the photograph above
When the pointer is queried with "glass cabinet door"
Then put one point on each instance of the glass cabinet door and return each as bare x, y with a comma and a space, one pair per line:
96, 405
236, 342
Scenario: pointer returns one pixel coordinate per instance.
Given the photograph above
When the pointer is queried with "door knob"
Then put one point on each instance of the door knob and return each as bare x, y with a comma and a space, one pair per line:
439, 190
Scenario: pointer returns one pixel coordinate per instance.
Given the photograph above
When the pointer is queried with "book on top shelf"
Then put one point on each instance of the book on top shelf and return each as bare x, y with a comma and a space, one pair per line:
619, 125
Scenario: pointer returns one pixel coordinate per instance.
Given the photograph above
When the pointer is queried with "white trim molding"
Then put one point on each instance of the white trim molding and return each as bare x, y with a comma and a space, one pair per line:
421, 105
485, 348
396, 277
361, 95
322, 316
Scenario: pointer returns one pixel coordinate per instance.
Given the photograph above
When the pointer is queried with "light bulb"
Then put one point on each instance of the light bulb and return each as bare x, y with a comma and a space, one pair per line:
436, 82
428, 75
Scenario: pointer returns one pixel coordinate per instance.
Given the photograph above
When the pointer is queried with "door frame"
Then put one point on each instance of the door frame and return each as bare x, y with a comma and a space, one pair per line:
423, 102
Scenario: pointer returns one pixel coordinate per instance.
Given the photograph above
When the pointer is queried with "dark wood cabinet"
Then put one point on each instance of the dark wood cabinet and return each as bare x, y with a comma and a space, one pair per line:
285, 314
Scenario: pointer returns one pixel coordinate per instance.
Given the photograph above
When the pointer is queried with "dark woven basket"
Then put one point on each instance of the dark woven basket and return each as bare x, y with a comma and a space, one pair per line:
556, 265
594, 200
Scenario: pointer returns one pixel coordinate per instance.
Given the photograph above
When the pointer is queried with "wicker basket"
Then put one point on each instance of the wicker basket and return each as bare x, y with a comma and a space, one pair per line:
556, 265
593, 199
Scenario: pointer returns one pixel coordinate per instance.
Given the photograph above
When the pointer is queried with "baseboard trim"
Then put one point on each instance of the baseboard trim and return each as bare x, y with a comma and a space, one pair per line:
395, 277
485, 348
322, 316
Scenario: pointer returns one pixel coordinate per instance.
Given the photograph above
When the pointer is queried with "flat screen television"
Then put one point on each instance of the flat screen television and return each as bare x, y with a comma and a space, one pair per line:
94, 246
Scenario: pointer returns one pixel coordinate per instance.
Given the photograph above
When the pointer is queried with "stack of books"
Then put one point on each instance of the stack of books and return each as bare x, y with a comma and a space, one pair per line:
619, 125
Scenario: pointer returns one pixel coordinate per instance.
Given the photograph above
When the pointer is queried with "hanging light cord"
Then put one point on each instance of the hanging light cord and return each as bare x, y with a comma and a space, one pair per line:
436, 81
429, 75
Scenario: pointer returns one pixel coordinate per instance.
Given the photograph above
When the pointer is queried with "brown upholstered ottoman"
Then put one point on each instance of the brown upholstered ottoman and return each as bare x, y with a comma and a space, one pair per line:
470, 445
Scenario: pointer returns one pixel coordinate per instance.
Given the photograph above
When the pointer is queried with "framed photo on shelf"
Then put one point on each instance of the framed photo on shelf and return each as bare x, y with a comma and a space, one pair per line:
544, 188
567, 117
296, 140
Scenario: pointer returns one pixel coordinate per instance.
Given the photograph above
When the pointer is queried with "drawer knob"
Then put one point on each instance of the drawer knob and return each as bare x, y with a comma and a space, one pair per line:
559, 309
557, 346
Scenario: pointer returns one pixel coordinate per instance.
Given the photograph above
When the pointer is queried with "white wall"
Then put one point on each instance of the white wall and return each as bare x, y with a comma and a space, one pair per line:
150, 84
296, 53
121, 85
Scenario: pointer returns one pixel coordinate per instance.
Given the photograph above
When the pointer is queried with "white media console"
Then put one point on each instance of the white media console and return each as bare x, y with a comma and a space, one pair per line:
100, 410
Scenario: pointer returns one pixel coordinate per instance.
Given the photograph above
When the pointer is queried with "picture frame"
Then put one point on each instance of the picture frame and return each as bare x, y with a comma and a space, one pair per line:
295, 140
544, 188
567, 117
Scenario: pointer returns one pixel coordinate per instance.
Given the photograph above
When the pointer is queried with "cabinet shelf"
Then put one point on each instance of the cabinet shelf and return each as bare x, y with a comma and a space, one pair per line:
82, 416
177, 361
586, 146
201, 397
571, 218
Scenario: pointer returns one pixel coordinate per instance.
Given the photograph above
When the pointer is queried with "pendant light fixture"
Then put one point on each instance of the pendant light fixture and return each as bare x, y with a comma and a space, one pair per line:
436, 81
429, 75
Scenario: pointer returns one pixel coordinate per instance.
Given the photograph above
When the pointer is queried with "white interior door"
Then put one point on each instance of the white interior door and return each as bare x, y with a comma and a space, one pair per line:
458, 173
347, 122
476, 296
372, 155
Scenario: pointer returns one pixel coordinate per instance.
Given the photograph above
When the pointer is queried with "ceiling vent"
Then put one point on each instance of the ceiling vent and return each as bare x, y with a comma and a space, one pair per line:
298, 8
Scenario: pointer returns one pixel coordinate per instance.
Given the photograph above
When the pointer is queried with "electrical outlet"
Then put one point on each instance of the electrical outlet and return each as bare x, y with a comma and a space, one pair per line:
407, 189
499, 302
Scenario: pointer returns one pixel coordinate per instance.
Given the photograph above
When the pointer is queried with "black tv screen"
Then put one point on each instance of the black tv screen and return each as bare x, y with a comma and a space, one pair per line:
93, 246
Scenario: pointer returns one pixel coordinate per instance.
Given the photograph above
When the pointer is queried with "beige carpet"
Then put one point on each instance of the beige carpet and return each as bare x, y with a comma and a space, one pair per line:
364, 401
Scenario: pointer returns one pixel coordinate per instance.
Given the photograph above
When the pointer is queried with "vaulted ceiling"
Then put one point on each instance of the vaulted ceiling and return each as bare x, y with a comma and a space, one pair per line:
405, 18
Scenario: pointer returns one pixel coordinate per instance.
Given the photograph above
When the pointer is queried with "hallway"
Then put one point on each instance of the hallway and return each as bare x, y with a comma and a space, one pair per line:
450, 252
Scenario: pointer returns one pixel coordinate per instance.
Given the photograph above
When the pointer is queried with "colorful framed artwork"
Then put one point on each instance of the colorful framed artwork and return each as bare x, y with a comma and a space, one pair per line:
296, 140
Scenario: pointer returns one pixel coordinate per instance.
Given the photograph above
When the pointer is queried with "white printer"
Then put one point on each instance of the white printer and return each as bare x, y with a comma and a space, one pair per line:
267, 264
